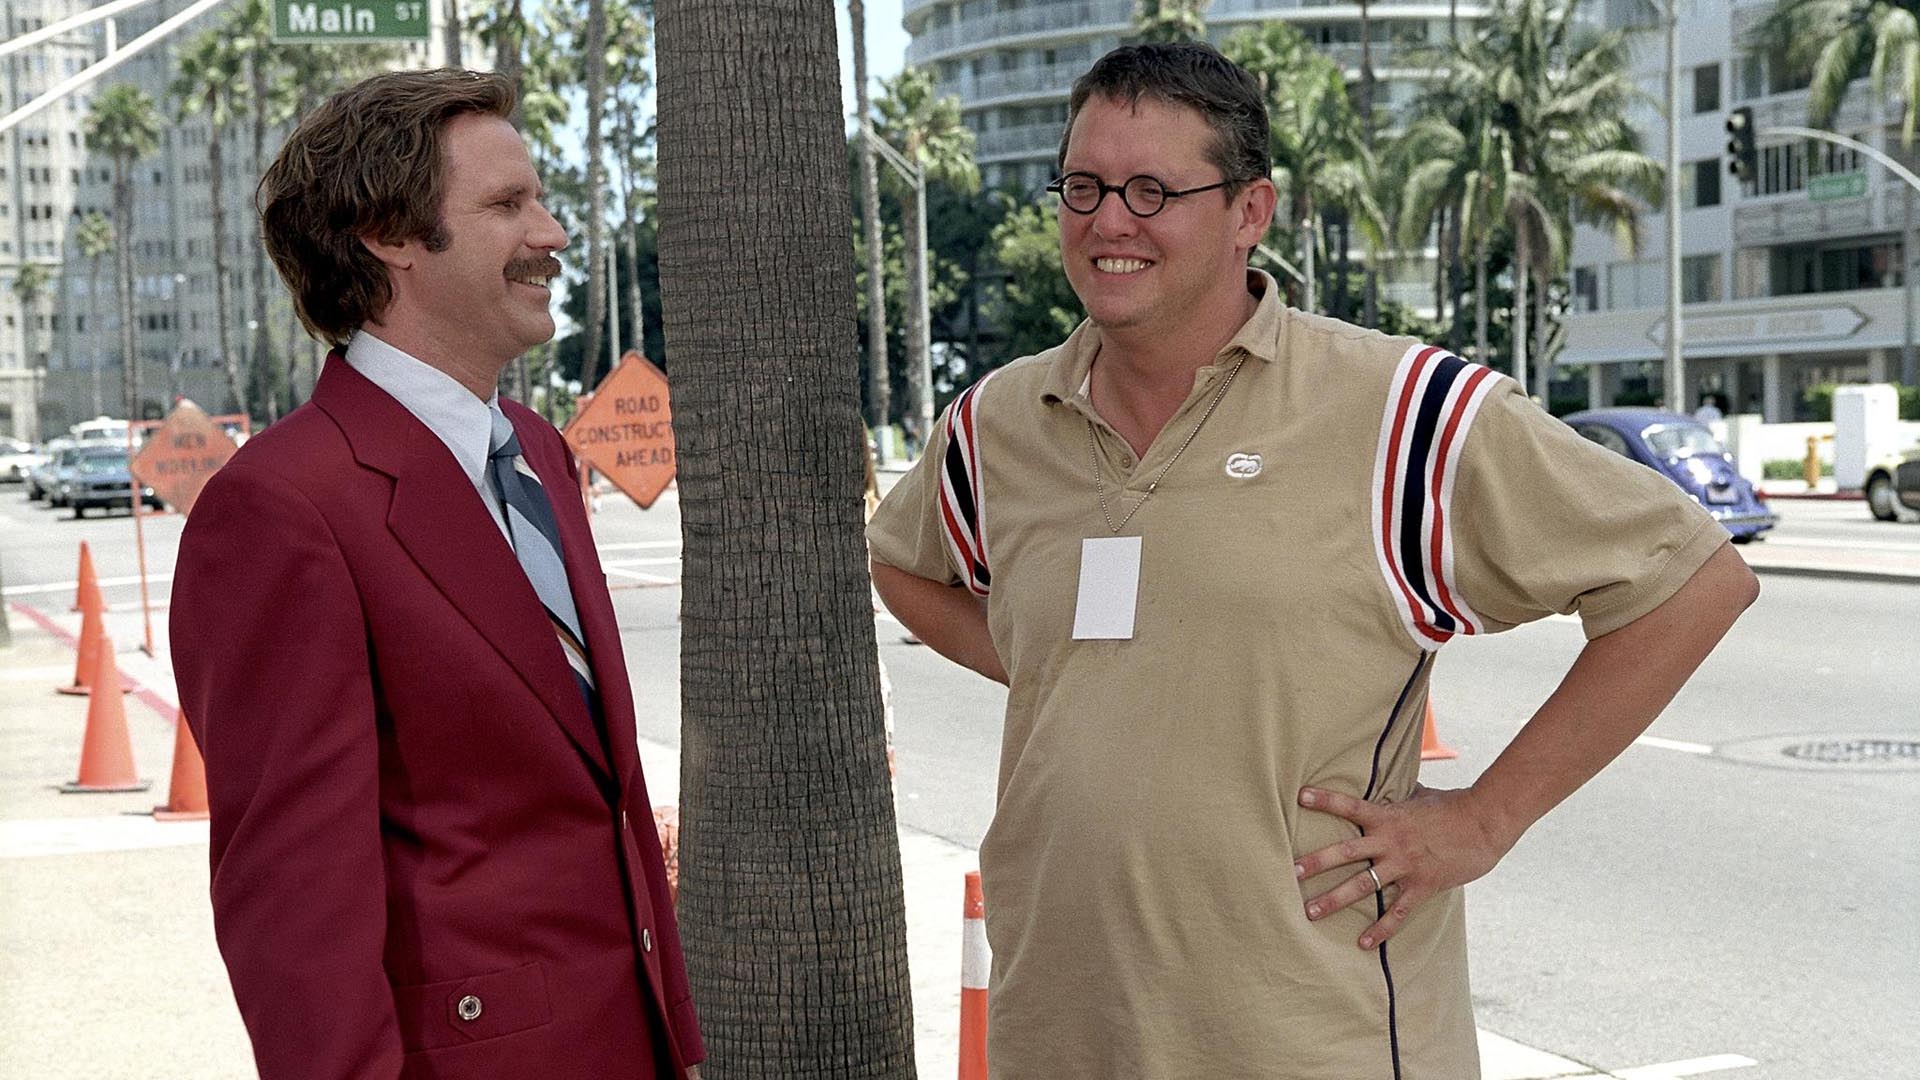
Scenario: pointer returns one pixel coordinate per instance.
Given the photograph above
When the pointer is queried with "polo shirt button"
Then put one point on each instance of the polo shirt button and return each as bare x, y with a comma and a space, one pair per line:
469, 1008
646, 940
1126, 461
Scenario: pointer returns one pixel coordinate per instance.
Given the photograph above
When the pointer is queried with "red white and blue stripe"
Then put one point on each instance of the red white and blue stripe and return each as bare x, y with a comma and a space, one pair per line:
960, 492
1430, 407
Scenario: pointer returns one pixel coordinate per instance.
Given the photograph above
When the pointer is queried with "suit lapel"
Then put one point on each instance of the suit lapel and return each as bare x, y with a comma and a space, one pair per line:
438, 518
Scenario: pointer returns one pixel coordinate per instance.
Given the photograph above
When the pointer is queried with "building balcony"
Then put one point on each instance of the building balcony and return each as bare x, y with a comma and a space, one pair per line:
1048, 81
1076, 20
1018, 143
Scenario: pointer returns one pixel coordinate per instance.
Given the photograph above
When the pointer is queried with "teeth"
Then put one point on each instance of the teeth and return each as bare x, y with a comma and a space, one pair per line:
1120, 266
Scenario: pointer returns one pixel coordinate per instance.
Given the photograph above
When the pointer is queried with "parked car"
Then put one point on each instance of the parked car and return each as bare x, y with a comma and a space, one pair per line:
40, 477
17, 459
101, 429
98, 479
1683, 450
1894, 483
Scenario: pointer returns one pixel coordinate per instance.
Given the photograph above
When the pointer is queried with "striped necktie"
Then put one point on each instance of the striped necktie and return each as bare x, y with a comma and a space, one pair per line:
536, 541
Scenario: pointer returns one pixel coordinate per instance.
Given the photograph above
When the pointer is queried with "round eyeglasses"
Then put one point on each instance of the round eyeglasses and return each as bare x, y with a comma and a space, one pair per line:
1144, 196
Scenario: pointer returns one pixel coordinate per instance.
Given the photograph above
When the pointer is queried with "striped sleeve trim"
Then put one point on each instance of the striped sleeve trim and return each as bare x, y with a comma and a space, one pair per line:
961, 492
1431, 405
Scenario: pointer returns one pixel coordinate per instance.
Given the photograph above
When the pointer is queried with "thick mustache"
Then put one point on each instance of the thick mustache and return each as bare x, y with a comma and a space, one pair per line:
545, 264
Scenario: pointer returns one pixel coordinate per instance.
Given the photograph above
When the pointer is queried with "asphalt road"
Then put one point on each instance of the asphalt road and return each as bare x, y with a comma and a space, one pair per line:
1701, 897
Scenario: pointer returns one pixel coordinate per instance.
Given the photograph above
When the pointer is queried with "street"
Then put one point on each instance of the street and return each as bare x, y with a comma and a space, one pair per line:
1709, 895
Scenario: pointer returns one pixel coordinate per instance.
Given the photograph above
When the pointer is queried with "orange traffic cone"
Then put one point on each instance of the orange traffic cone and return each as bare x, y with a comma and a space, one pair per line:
1431, 748
106, 753
187, 790
92, 628
89, 583
975, 960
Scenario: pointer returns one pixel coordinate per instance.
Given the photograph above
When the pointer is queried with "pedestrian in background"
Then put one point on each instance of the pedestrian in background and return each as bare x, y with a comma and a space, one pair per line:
432, 846
1213, 546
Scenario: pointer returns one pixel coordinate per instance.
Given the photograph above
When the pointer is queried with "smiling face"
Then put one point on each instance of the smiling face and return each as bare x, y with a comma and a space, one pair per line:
475, 294
1185, 263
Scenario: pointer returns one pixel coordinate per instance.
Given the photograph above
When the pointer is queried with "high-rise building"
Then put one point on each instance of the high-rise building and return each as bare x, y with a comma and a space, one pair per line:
60, 355
1787, 282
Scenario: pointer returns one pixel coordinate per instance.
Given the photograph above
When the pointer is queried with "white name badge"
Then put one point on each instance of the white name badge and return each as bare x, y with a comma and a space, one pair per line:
1109, 588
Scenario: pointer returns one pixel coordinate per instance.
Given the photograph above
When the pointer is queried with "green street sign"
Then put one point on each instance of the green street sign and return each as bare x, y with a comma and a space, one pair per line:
337, 21
1837, 186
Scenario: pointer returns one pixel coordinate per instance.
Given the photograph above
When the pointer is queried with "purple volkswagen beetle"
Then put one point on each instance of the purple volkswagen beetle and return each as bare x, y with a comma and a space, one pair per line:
1684, 451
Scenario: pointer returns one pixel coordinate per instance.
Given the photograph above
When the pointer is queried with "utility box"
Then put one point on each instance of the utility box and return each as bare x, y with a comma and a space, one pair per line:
1866, 423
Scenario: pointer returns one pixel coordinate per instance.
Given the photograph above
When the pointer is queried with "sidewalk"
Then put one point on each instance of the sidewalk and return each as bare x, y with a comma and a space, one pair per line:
107, 957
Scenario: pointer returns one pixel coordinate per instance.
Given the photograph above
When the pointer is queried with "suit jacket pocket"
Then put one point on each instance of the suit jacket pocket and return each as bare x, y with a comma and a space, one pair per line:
473, 1009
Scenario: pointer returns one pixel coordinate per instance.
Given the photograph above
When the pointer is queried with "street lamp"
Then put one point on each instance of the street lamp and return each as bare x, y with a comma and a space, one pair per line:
917, 179
1675, 377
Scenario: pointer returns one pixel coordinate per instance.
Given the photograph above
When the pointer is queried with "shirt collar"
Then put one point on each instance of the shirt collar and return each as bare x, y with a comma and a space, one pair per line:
451, 411
1259, 336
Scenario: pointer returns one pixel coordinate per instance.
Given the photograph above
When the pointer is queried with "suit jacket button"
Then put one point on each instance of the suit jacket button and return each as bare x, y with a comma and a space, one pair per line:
468, 1008
646, 940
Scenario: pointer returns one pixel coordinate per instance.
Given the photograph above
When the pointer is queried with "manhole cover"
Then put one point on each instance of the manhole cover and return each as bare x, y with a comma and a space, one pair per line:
1862, 753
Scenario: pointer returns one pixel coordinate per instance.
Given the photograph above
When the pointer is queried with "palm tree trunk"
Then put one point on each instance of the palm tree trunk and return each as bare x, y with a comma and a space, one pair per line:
123, 272
879, 384
453, 34
596, 192
93, 320
1542, 330
1518, 331
266, 370
1370, 278
919, 375
784, 790
1440, 270
1481, 353
507, 61
625, 128
222, 288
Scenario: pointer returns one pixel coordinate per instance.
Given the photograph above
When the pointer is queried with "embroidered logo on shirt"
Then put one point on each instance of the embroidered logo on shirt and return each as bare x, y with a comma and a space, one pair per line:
1242, 466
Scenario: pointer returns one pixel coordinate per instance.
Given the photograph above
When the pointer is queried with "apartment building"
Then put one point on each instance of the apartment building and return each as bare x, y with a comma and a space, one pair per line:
1789, 281
60, 355
1011, 64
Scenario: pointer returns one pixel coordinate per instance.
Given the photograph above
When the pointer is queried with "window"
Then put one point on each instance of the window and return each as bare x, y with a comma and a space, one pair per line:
1700, 279
1605, 436
1586, 289
1706, 88
1700, 184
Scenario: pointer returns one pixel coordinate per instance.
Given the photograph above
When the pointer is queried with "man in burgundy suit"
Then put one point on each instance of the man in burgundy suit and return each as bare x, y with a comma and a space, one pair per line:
433, 854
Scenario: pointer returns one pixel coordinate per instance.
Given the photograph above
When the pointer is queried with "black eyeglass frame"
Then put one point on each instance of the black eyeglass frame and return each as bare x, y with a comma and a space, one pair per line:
1059, 184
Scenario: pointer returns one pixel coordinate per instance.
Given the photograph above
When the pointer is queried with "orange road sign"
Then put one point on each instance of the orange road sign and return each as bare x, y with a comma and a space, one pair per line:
626, 430
181, 455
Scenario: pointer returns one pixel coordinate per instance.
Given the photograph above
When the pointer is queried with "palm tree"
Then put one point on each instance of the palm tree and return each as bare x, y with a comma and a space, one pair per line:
1454, 173
208, 81
927, 131
630, 73
94, 239
124, 124
249, 28
1319, 148
28, 285
785, 789
596, 80
879, 388
1835, 40
1556, 100
1169, 20
453, 29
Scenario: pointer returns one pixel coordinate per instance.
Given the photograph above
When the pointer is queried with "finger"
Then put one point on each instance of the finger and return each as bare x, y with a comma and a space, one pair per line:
1357, 849
1358, 811
1389, 924
1355, 888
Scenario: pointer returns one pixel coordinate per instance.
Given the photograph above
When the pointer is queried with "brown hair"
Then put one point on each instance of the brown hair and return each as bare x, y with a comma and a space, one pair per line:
368, 162
1195, 75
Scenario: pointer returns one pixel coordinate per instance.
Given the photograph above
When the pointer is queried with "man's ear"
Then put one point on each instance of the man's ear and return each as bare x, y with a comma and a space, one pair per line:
397, 255
1257, 202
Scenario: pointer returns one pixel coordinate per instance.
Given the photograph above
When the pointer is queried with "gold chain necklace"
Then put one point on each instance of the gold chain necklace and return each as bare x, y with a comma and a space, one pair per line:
1093, 453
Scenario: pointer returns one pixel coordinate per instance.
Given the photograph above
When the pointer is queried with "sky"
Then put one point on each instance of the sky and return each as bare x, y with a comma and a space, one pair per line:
886, 46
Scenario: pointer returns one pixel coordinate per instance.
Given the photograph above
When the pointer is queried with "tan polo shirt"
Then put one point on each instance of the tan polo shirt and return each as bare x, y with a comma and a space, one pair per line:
1354, 501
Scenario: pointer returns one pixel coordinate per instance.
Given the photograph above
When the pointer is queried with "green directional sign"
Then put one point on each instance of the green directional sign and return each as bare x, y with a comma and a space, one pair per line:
334, 21
1850, 185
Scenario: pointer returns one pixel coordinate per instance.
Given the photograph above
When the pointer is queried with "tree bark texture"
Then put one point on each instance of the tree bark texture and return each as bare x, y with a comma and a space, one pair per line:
790, 885
123, 284
596, 78
879, 386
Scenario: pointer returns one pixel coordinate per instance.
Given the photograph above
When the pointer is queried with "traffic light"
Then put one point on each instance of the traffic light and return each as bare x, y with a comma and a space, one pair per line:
1744, 160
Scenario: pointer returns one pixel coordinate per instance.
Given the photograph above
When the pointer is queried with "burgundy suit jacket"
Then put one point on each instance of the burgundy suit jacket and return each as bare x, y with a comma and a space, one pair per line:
427, 862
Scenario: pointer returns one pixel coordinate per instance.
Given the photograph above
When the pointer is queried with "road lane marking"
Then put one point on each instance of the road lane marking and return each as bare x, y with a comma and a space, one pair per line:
638, 575
1673, 1070
674, 561
1659, 743
1856, 545
638, 545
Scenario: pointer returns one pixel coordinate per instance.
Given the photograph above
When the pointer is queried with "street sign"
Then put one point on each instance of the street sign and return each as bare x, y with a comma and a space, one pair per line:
335, 21
181, 455
1834, 186
626, 430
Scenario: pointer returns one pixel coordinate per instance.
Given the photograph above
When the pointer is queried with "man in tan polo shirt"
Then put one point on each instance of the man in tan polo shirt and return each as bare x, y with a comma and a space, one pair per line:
1213, 546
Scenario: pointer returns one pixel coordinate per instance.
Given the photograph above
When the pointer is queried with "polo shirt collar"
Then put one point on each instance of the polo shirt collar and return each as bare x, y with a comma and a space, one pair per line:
1259, 336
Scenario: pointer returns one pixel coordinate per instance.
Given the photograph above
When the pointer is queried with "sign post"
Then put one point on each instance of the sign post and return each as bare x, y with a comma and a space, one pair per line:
181, 454
626, 430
